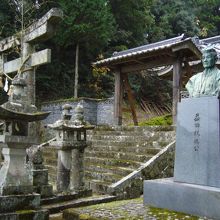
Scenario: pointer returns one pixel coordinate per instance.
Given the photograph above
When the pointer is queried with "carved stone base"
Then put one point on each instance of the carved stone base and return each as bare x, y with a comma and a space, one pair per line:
15, 190
40, 214
14, 175
13, 203
44, 191
16, 207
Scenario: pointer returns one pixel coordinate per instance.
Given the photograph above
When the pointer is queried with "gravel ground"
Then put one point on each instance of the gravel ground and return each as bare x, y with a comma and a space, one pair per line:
129, 210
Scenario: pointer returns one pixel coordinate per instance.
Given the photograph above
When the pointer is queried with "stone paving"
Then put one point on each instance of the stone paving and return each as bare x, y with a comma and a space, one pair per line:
127, 210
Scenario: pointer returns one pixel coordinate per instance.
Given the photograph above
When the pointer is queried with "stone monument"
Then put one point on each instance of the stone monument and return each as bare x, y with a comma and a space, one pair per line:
195, 188
70, 143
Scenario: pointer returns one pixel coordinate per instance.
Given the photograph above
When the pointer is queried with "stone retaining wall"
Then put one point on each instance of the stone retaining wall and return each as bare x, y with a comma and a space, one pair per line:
96, 112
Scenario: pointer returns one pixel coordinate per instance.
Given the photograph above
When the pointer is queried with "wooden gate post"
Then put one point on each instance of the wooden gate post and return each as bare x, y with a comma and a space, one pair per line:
177, 72
118, 97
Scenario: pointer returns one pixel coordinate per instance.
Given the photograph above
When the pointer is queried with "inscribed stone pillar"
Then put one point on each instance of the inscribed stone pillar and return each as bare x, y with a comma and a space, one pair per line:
197, 157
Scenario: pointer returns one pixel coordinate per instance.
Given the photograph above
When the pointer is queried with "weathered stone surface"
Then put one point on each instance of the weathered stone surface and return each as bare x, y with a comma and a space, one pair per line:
63, 170
39, 173
55, 208
101, 172
26, 215
117, 160
71, 141
40, 177
44, 190
183, 197
77, 170
161, 165
19, 202
43, 28
14, 173
197, 157
36, 59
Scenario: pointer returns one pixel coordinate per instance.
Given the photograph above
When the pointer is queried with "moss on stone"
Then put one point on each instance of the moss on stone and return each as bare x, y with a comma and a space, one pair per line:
86, 217
162, 214
72, 100
24, 212
117, 208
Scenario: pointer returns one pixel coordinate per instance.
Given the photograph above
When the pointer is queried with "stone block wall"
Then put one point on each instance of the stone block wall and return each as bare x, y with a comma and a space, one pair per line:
105, 112
96, 112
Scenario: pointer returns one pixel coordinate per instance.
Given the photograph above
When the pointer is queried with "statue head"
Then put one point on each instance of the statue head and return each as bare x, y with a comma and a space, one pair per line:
209, 57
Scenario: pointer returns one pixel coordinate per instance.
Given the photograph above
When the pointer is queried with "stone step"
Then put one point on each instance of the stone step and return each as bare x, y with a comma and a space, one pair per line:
134, 137
58, 207
103, 176
62, 197
122, 133
98, 186
118, 155
116, 149
134, 128
112, 162
121, 171
120, 137
134, 143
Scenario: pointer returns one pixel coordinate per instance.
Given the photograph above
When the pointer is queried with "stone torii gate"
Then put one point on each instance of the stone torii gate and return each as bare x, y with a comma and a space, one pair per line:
39, 31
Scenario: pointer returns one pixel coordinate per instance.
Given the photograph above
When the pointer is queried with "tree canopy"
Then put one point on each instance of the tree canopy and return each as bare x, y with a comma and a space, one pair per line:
101, 27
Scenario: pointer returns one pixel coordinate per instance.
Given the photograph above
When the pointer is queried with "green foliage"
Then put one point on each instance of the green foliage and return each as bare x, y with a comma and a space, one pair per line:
132, 18
86, 21
208, 17
102, 27
172, 18
7, 15
160, 120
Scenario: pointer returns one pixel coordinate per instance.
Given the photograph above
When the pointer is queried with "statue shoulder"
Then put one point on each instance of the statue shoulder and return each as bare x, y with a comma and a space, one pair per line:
218, 70
196, 76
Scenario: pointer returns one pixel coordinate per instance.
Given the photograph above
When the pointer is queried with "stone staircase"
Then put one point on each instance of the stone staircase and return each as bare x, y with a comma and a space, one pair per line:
116, 152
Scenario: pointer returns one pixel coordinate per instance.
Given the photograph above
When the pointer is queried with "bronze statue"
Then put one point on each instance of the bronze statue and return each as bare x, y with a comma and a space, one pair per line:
206, 83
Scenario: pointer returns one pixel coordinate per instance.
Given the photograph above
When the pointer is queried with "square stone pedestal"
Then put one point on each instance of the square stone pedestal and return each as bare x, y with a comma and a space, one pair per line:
183, 197
16, 207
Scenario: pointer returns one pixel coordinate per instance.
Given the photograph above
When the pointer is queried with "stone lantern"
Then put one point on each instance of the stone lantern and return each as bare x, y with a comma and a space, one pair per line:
16, 183
70, 142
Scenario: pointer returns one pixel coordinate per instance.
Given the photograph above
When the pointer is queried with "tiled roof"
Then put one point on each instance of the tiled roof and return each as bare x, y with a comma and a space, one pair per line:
165, 44
148, 47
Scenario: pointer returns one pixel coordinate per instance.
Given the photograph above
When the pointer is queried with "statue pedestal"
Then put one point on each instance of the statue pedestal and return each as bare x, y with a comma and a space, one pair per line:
195, 188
